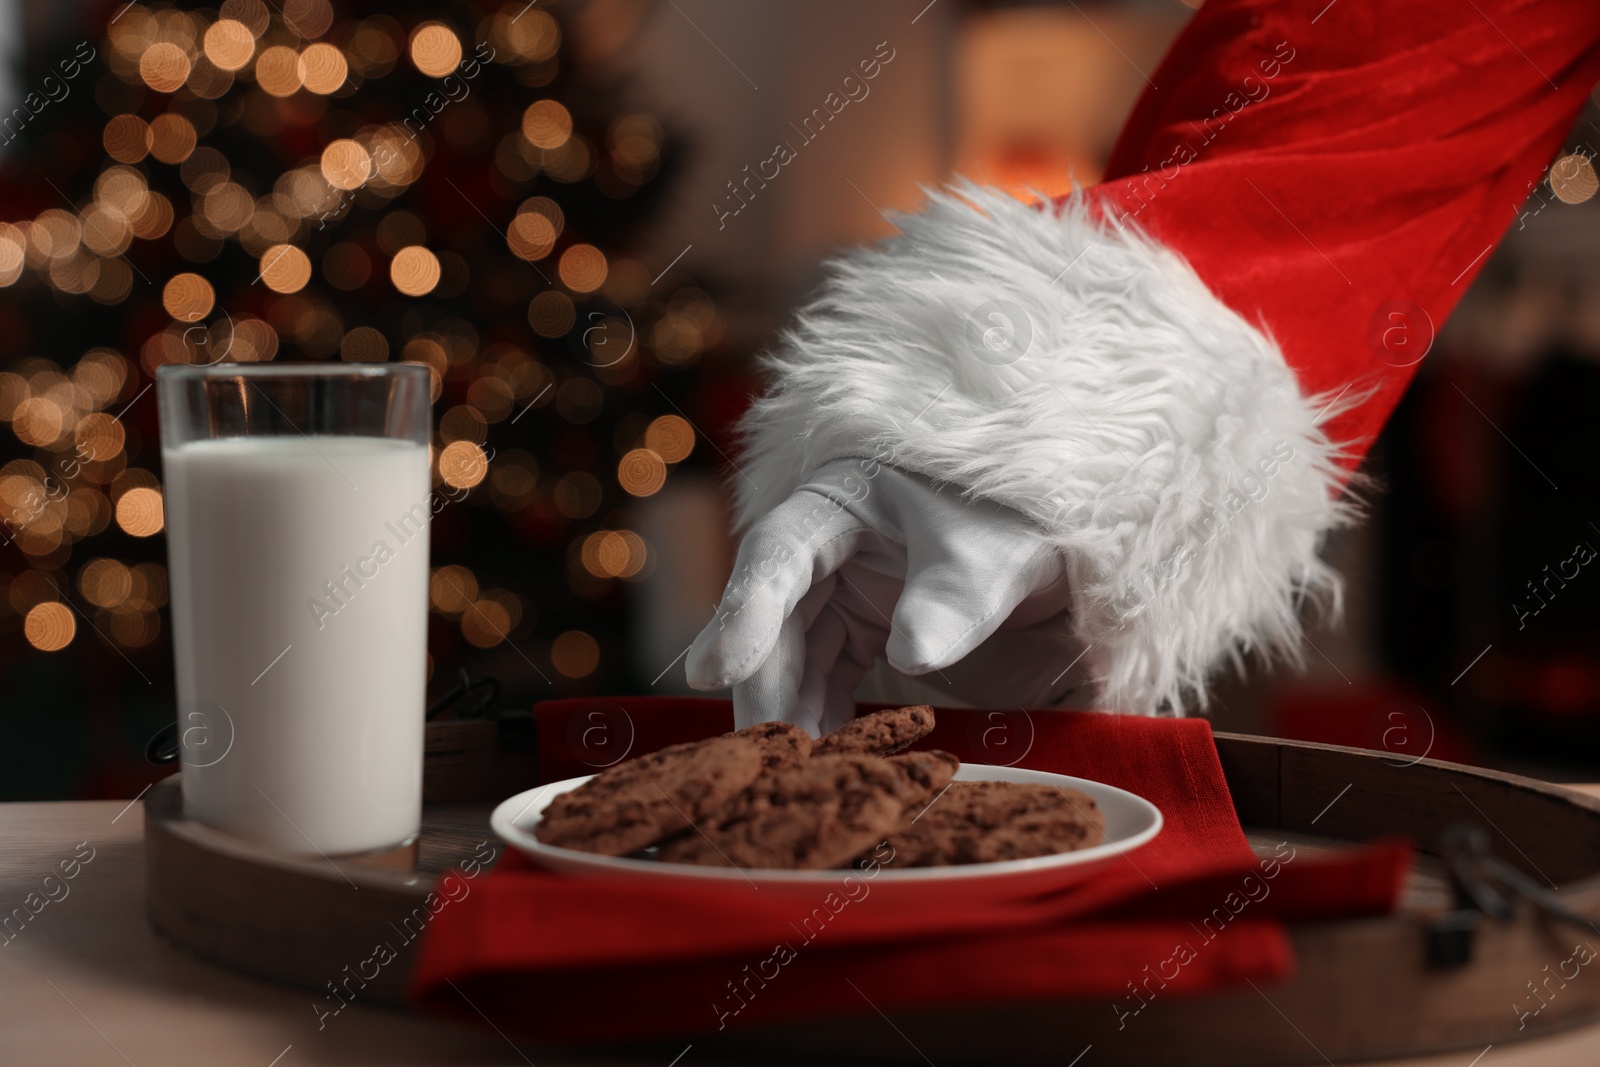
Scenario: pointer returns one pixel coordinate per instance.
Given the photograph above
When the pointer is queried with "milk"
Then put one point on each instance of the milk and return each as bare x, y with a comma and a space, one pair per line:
299, 589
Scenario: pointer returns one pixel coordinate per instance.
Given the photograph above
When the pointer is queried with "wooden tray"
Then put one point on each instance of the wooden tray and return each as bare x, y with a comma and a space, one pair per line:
1363, 990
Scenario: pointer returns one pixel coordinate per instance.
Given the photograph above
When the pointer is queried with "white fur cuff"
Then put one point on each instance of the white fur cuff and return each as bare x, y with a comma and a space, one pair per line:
1076, 371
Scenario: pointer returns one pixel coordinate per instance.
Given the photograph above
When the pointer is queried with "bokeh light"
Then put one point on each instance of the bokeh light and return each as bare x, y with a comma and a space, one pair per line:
1573, 178
49, 626
172, 138
139, 512
126, 138
188, 297
462, 464
345, 164
364, 345
285, 268
452, 589
105, 582
485, 623
614, 554
278, 71
670, 437
414, 270
164, 67
575, 654
641, 472
323, 69
531, 235
230, 44
435, 50
546, 124
583, 268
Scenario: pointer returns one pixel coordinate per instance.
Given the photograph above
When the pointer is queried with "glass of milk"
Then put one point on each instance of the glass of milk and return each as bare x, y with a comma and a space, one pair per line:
297, 511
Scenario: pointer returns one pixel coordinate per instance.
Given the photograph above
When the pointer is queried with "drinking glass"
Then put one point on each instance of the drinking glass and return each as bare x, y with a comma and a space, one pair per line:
297, 511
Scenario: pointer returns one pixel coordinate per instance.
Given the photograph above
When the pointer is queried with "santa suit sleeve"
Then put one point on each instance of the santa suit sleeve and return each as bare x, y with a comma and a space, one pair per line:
1174, 372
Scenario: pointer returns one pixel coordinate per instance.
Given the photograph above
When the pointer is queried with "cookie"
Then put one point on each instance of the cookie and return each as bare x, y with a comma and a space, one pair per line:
987, 822
879, 733
928, 771
811, 815
636, 804
781, 743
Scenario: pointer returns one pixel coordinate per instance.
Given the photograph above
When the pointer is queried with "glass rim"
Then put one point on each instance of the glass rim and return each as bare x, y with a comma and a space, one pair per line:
182, 371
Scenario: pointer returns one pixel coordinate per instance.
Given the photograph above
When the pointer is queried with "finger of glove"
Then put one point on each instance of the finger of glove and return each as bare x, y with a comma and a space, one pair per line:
772, 690
802, 541
775, 691
840, 650
953, 603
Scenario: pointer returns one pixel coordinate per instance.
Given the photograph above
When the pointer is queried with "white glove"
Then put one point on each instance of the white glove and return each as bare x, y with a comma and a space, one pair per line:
865, 561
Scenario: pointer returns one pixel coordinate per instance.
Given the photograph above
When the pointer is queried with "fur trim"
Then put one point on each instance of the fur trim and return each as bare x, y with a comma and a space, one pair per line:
1159, 439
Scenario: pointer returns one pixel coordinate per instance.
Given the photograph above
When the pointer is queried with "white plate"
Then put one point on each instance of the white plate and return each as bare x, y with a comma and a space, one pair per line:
1131, 821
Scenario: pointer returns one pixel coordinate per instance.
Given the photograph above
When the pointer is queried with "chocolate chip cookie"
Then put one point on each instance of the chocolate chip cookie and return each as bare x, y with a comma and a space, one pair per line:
636, 804
879, 733
812, 815
986, 822
781, 743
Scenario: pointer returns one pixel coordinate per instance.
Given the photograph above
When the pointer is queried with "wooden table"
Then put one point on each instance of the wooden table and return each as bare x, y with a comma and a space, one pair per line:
87, 982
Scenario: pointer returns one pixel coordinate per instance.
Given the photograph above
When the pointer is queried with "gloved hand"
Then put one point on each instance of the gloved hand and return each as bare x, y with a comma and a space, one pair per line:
865, 561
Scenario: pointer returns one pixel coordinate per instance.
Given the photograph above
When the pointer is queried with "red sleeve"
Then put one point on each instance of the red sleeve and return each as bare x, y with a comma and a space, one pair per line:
1334, 170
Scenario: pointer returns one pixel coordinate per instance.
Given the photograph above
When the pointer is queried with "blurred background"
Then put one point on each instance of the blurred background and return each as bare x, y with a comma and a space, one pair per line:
569, 211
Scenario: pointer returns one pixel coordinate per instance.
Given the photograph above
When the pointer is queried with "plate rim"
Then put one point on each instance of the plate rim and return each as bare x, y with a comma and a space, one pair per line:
504, 824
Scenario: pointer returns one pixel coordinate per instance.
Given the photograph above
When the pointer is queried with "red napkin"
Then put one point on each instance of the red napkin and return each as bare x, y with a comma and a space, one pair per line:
559, 957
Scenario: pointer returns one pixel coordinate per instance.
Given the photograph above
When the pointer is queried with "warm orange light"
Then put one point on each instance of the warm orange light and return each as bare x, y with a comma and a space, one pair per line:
583, 268
278, 71
126, 138
452, 589
139, 512
13, 253
188, 297
172, 138
227, 206
462, 464
164, 67
531, 236
230, 44
641, 472
49, 626
37, 421
123, 188
364, 345
546, 124
105, 582
345, 164
575, 654
323, 69
98, 436
529, 34
285, 268
435, 50
614, 554
414, 270
486, 623
1573, 178
154, 218
106, 230
670, 437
